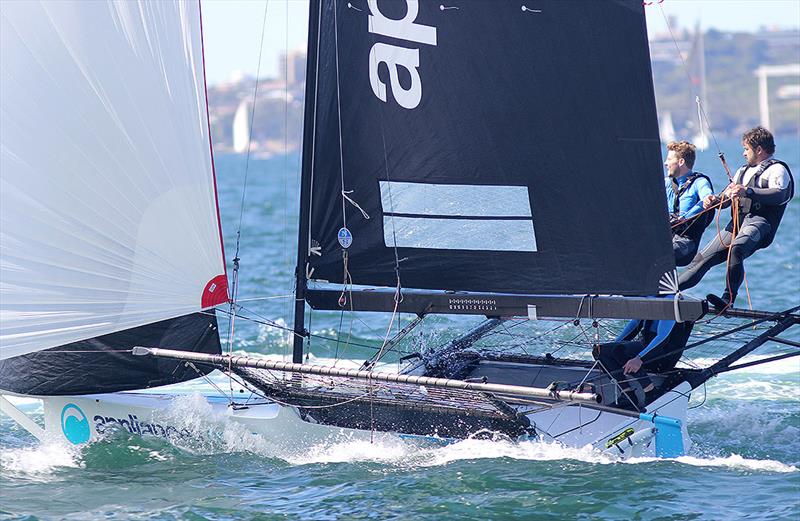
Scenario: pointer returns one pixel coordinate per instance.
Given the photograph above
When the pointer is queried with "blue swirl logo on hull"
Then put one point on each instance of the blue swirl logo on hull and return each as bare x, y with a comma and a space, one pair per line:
74, 424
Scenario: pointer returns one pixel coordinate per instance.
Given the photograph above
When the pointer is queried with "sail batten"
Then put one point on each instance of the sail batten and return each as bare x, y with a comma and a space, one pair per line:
447, 151
108, 209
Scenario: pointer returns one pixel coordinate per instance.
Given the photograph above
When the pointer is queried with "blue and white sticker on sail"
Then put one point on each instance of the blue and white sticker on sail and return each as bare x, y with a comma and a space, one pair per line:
457, 217
345, 238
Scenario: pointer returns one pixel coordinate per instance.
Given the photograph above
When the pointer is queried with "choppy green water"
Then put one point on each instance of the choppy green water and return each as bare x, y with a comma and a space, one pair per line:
744, 463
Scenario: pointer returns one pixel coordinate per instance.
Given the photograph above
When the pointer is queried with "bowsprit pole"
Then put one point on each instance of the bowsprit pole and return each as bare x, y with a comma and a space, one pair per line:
223, 361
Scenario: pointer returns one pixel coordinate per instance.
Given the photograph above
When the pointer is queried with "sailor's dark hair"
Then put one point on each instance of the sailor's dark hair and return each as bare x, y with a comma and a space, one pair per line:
760, 137
684, 150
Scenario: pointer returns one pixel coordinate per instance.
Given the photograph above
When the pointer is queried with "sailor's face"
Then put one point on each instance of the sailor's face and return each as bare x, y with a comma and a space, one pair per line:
749, 154
673, 164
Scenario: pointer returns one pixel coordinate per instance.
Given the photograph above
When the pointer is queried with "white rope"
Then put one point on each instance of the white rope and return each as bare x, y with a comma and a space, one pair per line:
700, 119
351, 201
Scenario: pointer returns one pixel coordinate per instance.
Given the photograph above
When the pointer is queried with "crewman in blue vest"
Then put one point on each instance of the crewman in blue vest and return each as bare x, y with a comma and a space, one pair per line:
686, 191
762, 188
642, 346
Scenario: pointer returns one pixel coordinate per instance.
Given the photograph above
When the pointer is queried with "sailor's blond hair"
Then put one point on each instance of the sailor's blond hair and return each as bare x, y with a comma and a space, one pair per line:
684, 150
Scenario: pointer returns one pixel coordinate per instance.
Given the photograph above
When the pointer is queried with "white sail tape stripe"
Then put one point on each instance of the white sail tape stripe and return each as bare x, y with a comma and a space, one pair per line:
456, 200
459, 234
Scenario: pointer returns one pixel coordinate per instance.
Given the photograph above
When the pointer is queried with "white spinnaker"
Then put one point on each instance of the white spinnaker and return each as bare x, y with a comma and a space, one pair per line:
107, 197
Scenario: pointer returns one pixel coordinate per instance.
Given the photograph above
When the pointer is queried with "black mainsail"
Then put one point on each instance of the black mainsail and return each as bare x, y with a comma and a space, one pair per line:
492, 148
482, 147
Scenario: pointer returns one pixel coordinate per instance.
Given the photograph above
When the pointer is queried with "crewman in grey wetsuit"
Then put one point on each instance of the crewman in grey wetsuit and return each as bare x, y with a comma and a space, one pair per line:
764, 186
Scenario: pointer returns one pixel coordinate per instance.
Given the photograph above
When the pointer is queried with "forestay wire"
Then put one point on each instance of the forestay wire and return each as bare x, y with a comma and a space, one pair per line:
236, 259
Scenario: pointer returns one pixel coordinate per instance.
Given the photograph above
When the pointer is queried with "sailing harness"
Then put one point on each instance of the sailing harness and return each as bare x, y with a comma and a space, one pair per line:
773, 213
691, 227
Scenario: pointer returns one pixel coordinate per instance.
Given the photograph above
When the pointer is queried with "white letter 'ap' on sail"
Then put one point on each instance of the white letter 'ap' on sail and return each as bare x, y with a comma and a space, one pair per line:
394, 56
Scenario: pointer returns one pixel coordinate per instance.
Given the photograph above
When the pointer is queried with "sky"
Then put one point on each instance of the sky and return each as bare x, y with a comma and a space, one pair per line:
232, 28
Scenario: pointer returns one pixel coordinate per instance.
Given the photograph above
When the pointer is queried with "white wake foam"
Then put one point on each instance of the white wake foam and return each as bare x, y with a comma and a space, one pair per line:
38, 461
212, 432
404, 454
736, 461
388, 451
472, 449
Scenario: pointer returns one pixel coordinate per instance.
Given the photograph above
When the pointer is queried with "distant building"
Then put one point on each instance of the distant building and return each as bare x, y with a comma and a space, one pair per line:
293, 66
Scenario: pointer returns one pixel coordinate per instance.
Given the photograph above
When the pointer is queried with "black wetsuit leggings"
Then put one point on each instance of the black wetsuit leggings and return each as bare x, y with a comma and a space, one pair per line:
684, 249
753, 235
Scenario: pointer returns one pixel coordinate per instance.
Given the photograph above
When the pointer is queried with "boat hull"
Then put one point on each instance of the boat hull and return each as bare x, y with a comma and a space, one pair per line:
82, 419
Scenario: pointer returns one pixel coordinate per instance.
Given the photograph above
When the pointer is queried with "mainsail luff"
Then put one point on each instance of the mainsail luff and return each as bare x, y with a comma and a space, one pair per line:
424, 165
103, 231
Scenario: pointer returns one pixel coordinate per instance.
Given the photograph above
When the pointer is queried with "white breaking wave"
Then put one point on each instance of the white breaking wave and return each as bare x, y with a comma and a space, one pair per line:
736, 461
389, 451
532, 450
404, 454
746, 424
732, 461
40, 460
213, 432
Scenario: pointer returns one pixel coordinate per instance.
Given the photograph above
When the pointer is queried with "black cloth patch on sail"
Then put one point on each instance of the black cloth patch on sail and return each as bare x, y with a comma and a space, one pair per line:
104, 364
521, 155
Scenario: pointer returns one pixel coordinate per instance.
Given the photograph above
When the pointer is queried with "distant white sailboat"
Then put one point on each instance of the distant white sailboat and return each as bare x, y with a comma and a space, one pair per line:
667, 130
241, 127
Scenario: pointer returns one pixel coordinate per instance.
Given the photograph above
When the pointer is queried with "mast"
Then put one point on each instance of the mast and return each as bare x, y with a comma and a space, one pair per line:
305, 180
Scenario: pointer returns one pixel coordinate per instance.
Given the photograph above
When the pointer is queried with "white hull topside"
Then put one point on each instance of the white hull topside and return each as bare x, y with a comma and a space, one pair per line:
86, 418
